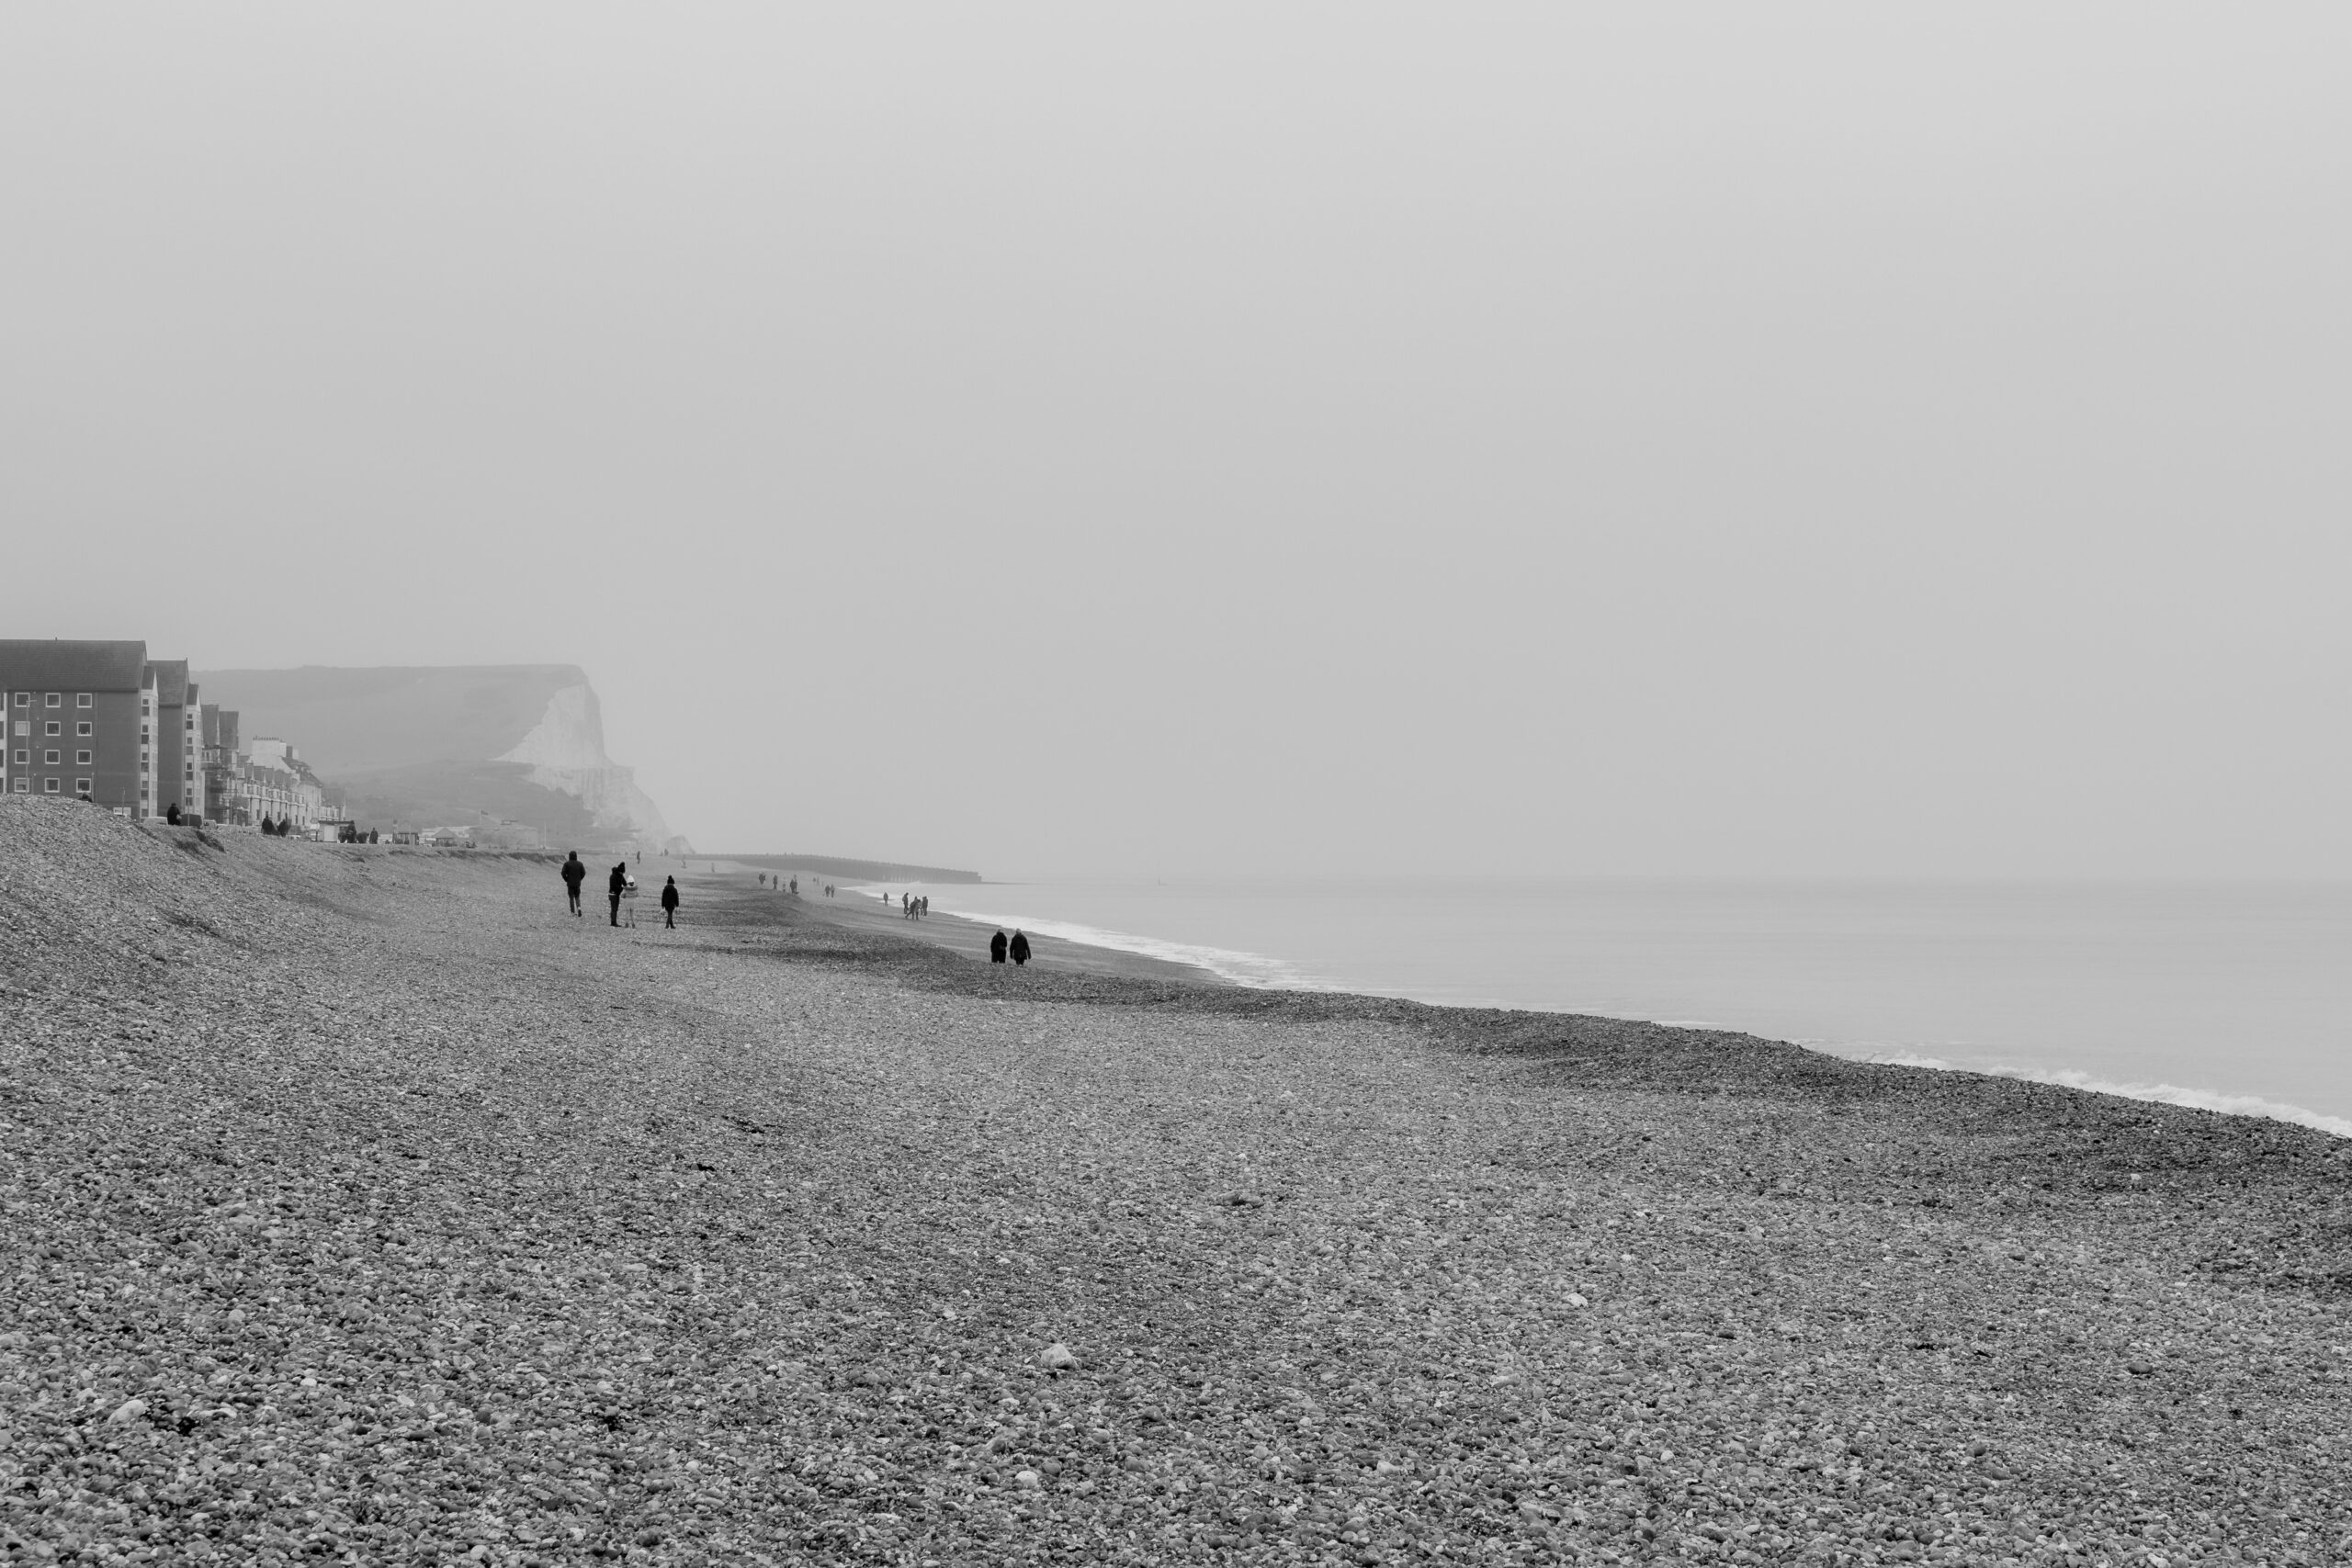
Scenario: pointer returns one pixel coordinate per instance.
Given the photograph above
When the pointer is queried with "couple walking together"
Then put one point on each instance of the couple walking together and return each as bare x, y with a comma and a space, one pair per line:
1018, 947
619, 885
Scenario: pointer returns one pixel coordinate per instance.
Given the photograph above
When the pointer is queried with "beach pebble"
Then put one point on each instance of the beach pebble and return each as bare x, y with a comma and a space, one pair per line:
1057, 1358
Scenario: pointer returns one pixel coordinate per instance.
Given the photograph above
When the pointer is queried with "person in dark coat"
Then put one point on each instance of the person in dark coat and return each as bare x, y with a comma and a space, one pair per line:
614, 883
996, 948
172, 814
669, 903
1020, 948
574, 874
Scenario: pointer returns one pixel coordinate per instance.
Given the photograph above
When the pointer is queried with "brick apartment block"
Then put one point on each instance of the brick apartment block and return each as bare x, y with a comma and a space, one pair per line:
80, 719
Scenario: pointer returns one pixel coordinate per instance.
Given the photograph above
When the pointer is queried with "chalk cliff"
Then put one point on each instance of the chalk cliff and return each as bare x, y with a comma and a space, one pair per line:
565, 752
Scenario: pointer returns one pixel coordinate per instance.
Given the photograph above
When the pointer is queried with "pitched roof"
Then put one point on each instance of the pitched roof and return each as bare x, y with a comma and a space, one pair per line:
171, 683
55, 664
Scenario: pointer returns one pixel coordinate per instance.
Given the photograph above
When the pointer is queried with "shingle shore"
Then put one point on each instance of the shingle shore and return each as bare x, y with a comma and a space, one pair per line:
363, 1206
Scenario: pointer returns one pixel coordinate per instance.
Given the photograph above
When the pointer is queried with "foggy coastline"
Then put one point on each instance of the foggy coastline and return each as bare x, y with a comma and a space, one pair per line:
971, 1261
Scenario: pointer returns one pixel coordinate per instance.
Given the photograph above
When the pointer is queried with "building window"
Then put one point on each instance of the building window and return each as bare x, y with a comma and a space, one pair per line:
82, 700
48, 759
82, 758
23, 756
83, 728
24, 699
56, 700
80, 786
53, 728
48, 786
24, 786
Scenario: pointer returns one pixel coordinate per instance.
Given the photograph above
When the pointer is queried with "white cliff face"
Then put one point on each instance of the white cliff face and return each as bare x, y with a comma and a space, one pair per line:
566, 751
571, 734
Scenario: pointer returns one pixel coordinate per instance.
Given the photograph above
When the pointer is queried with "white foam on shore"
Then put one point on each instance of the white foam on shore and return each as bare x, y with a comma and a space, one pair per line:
1252, 969
2161, 1093
1258, 971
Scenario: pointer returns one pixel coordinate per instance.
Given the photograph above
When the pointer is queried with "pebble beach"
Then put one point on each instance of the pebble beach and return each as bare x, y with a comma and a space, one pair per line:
361, 1205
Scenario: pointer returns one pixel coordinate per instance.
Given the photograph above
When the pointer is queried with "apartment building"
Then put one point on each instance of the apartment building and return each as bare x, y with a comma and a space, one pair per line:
80, 721
178, 748
217, 758
260, 789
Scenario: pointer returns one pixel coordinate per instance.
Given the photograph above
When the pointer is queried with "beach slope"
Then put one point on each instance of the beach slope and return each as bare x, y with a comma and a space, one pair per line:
364, 1205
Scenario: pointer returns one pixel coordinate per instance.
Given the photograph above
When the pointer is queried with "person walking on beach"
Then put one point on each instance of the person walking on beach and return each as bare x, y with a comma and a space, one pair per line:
574, 874
1020, 948
669, 905
996, 948
614, 883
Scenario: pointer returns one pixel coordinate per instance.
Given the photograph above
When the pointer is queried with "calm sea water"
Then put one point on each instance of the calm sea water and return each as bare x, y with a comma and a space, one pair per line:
2232, 995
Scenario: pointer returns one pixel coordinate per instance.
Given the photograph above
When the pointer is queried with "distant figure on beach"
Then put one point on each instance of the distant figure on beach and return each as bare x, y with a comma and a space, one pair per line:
172, 814
574, 874
613, 885
669, 903
1020, 948
796, 887
996, 948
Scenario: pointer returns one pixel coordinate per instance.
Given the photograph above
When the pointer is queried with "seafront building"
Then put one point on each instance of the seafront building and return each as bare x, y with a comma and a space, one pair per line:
260, 790
81, 717
102, 722
272, 781
175, 746
215, 757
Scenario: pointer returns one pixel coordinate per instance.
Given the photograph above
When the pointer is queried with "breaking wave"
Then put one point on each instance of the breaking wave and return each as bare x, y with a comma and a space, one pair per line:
1251, 969
2162, 1093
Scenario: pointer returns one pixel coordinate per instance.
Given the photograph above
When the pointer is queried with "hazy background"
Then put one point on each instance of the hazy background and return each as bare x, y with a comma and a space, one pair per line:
1056, 440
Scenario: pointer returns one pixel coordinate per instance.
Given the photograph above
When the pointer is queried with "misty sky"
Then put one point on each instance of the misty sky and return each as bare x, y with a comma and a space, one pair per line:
1305, 438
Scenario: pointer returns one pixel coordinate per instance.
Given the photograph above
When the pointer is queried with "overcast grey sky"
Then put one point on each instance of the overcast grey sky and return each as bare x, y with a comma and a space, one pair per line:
1791, 439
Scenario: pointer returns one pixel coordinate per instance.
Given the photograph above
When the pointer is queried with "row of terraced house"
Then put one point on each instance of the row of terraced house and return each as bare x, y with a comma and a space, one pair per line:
101, 721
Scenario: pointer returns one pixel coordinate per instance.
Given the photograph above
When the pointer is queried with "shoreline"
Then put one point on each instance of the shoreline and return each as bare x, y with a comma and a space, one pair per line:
982, 1264
1077, 953
970, 938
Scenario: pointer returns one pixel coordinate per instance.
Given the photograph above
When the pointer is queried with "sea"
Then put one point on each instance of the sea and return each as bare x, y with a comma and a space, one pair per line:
2235, 996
